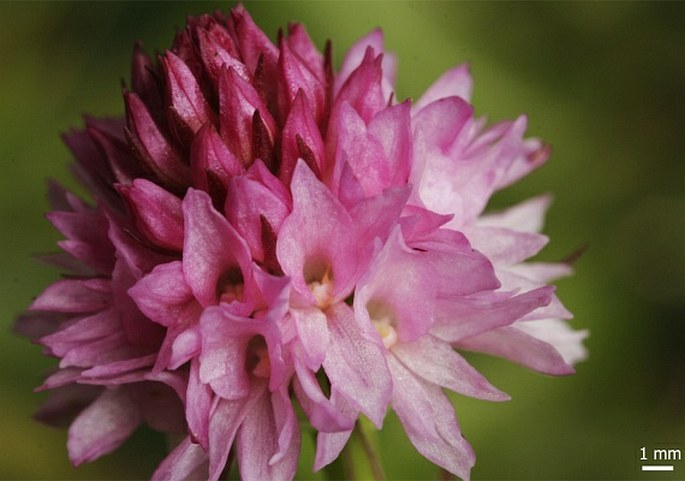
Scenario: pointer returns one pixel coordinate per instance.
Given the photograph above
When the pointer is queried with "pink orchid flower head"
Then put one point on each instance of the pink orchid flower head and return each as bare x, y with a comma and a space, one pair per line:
275, 246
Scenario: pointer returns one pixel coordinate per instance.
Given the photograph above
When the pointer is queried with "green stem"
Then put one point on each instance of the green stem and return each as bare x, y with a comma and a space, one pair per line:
368, 440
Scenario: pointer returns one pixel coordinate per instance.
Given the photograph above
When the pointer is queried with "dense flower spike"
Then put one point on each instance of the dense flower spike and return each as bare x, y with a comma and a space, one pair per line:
267, 233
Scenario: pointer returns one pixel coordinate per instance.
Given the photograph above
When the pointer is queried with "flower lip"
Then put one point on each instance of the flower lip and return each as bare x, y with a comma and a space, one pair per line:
384, 320
318, 274
258, 361
230, 285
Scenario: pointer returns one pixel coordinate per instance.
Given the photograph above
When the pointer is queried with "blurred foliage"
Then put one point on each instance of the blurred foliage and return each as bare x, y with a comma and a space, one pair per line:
602, 82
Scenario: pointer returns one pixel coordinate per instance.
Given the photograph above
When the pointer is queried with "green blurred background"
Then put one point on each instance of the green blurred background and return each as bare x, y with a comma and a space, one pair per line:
602, 82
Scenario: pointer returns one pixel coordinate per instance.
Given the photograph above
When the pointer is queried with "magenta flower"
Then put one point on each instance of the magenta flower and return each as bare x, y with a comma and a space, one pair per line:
267, 233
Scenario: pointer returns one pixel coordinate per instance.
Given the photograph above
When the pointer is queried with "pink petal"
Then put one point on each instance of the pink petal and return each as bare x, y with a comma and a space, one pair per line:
222, 359
102, 426
356, 365
225, 339
375, 216
428, 419
215, 57
401, 281
557, 333
436, 177
212, 165
80, 330
459, 270
542, 272
313, 334
528, 216
356, 55
250, 202
296, 75
506, 247
188, 109
301, 139
458, 320
211, 248
513, 281
87, 240
324, 415
436, 362
516, 346
198, 405
64, 403
253, 42
186, 461
329, 445
158, 154
139, 330
269, 440
74, 296
163, 295
37, 324
157, 213
223, 425
238, 103
311, 235
362, 90
300, 43
117, 368
393, 130
114, 347
110, 139
457, 81
363, 153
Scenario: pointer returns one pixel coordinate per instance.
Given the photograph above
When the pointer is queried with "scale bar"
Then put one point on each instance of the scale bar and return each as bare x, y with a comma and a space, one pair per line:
657, 468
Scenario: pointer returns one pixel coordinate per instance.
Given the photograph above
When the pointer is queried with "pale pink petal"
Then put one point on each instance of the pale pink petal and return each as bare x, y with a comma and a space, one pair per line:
64, 403
355, 56
329, 445
356, 365
188, 461
102, 426
212, 249
250, 203
428, 418
310, 240
556, 332
163, 294
437, 362
80, 330
74, 296
198, 406
543, 272
375, 216
323, 413
268, 442
401, 285
504, 246
457, 81
528, 216
223, 426
314, 335
458, 320
519, 347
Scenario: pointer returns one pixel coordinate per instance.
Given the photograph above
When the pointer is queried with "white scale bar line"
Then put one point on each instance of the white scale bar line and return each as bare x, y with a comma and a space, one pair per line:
657, 468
